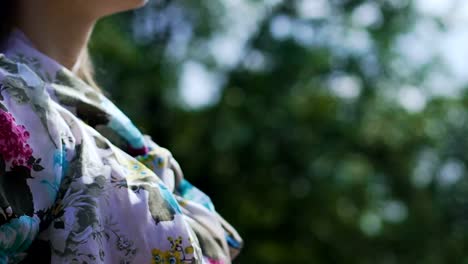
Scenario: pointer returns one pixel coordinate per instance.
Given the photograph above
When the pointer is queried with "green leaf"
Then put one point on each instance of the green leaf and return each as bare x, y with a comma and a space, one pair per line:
8, 65
37, 167
16, 88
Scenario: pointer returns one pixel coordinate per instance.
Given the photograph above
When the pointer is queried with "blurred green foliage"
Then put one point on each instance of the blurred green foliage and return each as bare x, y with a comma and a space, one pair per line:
305, 150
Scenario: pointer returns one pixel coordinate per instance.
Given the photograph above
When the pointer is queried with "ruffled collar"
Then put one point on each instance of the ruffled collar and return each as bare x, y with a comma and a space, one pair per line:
67, 89
18, 47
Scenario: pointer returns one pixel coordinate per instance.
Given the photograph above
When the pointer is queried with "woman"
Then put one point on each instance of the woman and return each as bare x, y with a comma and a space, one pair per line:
79, 183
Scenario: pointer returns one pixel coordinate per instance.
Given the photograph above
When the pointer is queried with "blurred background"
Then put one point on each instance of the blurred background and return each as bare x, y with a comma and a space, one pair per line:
326, 131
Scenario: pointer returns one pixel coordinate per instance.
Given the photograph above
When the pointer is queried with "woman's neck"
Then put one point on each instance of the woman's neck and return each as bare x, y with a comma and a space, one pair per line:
56, 31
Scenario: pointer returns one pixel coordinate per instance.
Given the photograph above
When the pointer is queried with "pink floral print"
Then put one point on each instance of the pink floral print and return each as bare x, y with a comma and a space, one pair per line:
13, 141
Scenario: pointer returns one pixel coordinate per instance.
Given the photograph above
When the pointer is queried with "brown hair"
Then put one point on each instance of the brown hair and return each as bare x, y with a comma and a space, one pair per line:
86, 70
8, 11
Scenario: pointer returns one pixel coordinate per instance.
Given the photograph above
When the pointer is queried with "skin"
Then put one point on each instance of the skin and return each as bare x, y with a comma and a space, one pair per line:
62, 28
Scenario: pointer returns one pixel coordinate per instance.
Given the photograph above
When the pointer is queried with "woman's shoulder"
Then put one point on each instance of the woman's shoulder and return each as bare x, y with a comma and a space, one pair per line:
7, 66
23, 97
13, 68
20, 83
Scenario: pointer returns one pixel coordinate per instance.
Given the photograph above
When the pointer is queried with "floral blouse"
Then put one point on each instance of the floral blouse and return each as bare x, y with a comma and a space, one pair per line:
79, 183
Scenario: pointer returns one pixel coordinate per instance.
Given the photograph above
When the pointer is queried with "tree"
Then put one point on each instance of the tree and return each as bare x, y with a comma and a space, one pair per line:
303, 146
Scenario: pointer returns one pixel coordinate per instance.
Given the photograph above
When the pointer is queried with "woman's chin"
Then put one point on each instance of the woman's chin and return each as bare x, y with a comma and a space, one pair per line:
140, 3
110, 7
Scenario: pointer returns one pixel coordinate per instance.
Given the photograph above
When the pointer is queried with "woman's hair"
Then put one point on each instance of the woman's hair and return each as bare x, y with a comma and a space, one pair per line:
8, 12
